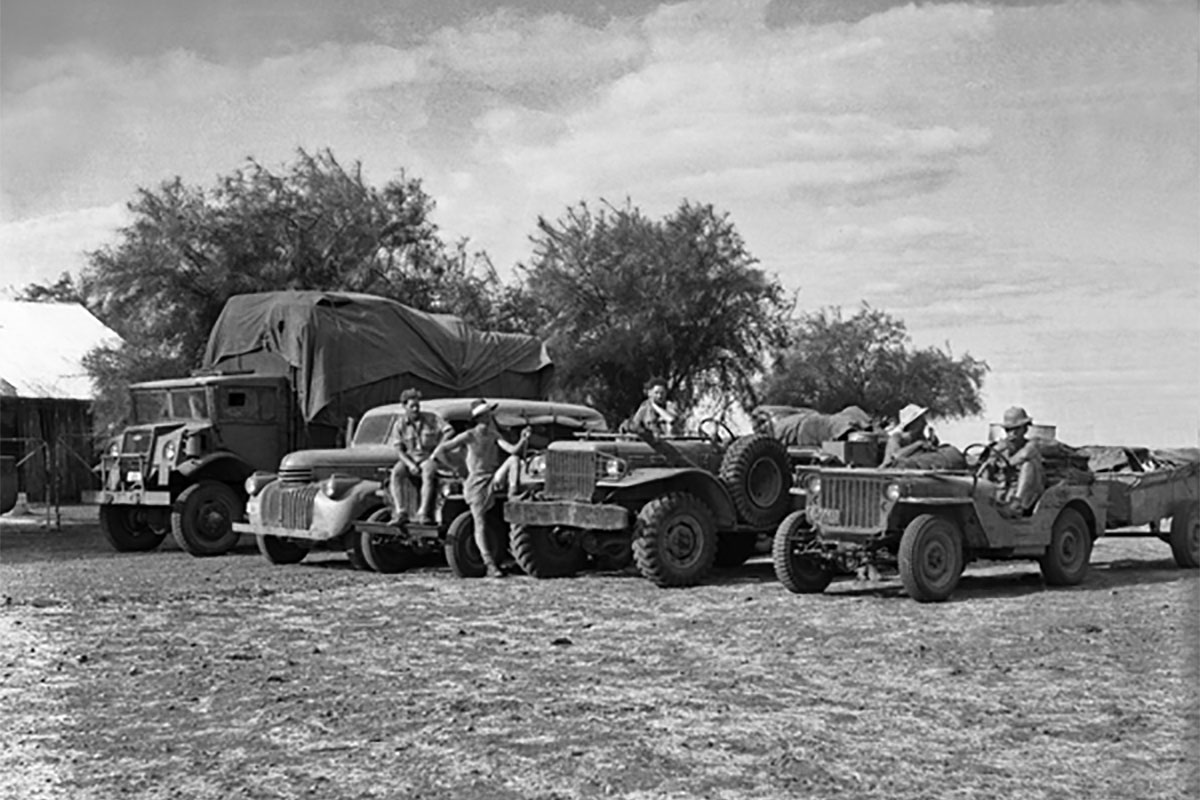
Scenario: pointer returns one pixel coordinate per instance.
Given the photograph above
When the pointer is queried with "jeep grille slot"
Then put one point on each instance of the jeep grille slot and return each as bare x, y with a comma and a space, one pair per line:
288, 507
570, 475
858, 500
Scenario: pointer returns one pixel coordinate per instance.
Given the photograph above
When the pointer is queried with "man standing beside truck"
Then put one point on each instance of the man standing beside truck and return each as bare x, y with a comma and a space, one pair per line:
416, 435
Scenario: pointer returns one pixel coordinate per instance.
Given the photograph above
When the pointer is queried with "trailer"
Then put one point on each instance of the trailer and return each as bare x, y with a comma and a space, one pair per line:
1153, 493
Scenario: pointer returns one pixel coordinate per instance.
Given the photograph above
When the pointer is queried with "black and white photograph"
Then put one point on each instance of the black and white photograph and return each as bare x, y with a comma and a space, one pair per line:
643, 399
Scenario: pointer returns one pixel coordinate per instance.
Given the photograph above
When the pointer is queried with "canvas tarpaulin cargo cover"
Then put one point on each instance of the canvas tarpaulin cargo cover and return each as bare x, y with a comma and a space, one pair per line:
353, 351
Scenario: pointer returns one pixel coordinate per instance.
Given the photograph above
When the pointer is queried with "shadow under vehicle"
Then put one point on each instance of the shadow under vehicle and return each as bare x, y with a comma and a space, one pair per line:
283, 371
927, 524
337, 497
675, 506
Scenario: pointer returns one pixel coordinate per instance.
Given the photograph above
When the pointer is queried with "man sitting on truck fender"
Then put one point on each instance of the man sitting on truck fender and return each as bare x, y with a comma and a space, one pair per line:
416, 435
1015, 465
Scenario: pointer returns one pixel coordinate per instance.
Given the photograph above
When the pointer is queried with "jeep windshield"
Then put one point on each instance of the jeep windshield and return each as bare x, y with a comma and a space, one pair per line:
155, 405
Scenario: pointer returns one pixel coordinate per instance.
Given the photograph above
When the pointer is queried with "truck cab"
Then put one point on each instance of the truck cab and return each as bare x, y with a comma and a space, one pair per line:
181, 464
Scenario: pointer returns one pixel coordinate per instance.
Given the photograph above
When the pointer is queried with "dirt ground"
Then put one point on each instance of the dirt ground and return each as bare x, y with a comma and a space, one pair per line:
160, 675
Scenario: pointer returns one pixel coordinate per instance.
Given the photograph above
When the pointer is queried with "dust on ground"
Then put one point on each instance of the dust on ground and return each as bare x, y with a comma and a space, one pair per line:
160, 675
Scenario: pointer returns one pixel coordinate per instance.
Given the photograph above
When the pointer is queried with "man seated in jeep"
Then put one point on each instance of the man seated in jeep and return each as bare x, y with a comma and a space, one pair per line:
1015, 465
416, 434
656, 415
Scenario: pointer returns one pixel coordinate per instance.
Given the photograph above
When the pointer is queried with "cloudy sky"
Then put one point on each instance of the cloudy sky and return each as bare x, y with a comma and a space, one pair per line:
1019, 180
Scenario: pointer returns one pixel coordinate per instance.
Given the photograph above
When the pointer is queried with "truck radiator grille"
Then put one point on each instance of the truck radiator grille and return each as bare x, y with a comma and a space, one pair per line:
288, 506
858, 500
570, 475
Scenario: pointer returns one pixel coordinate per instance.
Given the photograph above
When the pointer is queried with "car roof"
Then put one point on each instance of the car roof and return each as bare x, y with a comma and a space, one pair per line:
509, 411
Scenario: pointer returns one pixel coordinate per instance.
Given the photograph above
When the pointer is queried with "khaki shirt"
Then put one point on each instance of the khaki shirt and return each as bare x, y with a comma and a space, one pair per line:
419, 437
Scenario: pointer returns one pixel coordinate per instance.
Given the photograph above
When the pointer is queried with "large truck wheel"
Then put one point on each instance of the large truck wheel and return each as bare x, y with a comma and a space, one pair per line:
1065, 562
756, 471
128, 529
1185, 536
202, 518
278, 550
675, 540
384, 554
931, 558
547, 552
798, 571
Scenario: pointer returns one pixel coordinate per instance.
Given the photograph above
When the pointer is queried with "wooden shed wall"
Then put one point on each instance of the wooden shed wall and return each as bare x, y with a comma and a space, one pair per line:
53, 439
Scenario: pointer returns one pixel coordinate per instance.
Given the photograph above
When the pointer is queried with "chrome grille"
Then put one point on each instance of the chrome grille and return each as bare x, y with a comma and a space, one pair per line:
570, 475
858, 499
288, 506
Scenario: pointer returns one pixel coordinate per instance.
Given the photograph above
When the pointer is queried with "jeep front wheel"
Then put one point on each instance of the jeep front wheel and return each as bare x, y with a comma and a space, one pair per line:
547, 552
799, 571
128, 529
675, 540
1065, 562
931, 558
202, 518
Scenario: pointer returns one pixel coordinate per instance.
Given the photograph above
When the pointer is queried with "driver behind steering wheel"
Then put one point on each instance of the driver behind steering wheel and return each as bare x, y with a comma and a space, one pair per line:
1014, 464
657, 415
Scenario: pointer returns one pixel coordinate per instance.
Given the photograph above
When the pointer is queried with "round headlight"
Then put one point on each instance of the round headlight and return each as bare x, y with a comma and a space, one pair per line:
813, 484
536, 466
614, 468
169, 450
892, 492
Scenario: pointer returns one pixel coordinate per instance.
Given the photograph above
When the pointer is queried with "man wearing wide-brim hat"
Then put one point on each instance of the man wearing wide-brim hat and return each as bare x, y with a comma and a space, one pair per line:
909, 435
1015, 465
484, 445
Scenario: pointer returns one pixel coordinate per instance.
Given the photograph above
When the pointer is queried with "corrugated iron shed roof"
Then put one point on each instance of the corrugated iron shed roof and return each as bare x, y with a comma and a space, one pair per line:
42, 346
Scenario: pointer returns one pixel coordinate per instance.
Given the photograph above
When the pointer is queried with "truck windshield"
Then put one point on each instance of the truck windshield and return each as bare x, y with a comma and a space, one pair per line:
160, 404
374, 429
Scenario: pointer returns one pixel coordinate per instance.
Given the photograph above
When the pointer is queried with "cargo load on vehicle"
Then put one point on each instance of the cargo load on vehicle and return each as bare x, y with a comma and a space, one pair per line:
285, 371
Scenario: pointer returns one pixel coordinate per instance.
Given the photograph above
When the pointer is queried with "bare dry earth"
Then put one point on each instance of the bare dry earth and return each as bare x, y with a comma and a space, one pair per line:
161, 675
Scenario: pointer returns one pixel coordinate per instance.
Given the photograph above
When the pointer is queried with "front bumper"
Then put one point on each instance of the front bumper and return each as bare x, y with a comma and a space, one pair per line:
131, 497
566, 513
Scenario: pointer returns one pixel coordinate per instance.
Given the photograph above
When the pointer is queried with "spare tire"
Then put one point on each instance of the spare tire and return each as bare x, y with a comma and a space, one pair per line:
757, 473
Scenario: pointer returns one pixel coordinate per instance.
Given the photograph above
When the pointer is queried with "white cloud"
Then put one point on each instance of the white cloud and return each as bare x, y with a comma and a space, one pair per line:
40, 250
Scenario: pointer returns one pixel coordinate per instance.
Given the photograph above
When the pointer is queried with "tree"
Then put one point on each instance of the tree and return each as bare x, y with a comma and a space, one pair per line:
314, 225
621, 298
867, 360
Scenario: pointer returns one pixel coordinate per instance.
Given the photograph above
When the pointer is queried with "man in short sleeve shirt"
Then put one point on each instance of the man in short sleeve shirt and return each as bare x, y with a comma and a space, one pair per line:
416, 434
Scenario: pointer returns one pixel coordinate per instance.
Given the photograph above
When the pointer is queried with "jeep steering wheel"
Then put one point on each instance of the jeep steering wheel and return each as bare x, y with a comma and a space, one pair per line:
987, 454
716, 430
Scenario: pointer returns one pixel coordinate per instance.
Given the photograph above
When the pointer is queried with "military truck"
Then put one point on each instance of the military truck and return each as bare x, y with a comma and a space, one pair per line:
928, 524
337, 497
676, 505
284, 371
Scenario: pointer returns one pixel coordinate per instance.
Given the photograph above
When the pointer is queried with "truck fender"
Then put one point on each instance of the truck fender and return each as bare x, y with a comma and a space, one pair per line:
687, 479
224, 467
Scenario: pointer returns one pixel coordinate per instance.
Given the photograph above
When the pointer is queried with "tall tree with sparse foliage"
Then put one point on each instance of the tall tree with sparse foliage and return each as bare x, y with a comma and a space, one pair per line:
314, 225
621, 298
867, 360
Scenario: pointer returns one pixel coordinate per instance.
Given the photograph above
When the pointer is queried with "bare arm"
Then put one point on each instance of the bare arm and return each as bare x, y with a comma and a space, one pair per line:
451, 444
